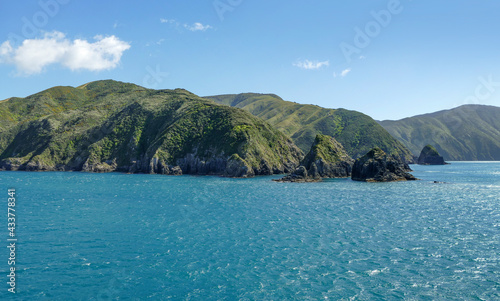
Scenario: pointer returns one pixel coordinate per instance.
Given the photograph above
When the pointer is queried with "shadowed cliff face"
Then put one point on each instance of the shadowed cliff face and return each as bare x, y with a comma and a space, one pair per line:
326, 159
377, 166
111, 126
430, 156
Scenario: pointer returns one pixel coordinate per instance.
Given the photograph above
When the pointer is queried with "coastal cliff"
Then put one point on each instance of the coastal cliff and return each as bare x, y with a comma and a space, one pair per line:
109, 126
377, 166
326, 159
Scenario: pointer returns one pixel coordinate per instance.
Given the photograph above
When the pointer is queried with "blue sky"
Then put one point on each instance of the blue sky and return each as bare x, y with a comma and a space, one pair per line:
389, 59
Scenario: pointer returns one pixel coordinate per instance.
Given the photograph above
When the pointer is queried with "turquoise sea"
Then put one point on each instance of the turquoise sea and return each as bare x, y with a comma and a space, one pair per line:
84, 236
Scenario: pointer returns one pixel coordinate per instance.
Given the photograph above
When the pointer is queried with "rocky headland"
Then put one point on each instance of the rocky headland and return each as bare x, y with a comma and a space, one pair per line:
107, 126
377, 166
326, 159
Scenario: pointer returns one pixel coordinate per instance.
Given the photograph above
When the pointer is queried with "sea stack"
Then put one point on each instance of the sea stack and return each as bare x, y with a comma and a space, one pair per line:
377, 166
430, 156
327, 158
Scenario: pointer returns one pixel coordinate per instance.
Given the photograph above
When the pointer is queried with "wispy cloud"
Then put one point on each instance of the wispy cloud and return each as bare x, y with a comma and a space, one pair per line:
171, 21
343, 73
311, 65
197, 27
33, 55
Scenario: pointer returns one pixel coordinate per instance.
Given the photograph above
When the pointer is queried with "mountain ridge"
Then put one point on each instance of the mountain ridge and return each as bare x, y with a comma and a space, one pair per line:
357, 132
113, 126
465, 133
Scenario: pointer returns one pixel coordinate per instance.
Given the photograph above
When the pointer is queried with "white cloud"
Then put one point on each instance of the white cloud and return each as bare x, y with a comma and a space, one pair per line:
343, 73
162, 20
54, 48
5, 50
311, 65
197, 27
194, 27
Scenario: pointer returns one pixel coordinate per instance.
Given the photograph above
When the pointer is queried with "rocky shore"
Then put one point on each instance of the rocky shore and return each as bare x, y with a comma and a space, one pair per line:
326, 159
377, 166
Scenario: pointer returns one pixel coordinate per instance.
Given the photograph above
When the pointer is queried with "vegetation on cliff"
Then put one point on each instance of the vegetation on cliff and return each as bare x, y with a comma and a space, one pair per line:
326, 159
377, 166
469, 132
109, 125
329, 157
357, 132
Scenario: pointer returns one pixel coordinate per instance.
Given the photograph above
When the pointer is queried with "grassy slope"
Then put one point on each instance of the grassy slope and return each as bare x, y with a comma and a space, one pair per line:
429, 151
327, 149
110, 121
470, 132
358, 133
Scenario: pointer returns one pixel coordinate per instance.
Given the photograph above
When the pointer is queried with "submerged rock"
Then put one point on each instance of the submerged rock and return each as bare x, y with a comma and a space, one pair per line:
430, 156
377, 166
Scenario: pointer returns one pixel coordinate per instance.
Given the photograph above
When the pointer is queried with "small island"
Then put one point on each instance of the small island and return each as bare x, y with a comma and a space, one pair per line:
377, 166
327, 158
430, 156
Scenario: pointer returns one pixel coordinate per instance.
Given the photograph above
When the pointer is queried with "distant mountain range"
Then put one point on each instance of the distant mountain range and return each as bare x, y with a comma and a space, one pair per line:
466, 133
113, 126
357, 132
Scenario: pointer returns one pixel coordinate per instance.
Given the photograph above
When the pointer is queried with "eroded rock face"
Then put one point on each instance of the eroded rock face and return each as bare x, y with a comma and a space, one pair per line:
238, 168
430, 156
326, 159
10, 165
330, 158
377, 166
301, 175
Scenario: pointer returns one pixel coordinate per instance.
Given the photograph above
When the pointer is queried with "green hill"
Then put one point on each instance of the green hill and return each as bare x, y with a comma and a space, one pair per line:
108, 125
469, 132
357, 132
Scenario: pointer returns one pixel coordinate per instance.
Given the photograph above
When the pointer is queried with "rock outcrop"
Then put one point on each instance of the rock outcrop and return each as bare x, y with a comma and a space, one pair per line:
377, 166
430, 156
326, 159
329, 157
300, 175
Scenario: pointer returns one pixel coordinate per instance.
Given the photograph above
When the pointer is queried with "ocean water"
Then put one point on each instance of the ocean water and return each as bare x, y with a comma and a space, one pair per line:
85, 236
